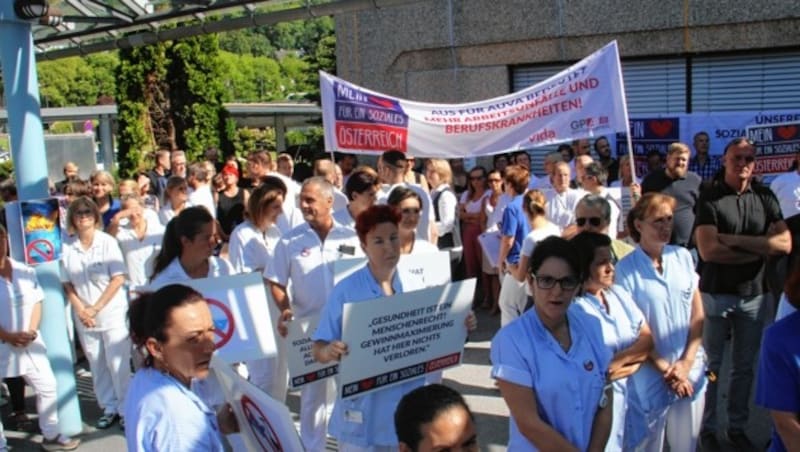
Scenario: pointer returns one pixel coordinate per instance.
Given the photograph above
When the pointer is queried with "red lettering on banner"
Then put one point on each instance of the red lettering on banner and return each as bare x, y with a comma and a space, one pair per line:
370, 137
441, 363
774, 165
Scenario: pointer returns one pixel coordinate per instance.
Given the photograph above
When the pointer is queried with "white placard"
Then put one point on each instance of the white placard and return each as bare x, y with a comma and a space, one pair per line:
490, 244
303, 369
416, 270
242, 322
265, 424
394, 339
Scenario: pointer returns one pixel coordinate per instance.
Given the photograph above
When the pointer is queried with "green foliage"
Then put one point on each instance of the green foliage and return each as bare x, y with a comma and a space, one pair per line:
247, 140
249, 78
6, 169
322, 59
246, 42
77, 81
61, 127
196, 93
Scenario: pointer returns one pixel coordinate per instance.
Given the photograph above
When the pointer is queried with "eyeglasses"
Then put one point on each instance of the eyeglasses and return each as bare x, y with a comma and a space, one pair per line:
410, 211
84, 213
594, 221
548, 282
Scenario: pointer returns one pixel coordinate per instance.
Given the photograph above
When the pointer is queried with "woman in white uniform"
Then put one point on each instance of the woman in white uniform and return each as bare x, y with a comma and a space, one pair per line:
94, 271
661, 279
253, 241
491, 214
187, 250
551, 363
174, 330
361, 189
22, 350
140, 239
625, 332
176, 198
251, 247
409, 204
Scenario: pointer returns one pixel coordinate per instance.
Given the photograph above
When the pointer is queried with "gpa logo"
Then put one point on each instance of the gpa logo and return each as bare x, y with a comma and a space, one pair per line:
591, 123
588, 365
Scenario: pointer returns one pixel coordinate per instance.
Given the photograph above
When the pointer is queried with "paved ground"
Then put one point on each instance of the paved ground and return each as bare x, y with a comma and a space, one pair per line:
471, 379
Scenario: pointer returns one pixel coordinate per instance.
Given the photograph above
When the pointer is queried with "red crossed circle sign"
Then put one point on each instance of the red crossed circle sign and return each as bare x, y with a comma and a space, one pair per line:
39, 251
223, 322
259, 424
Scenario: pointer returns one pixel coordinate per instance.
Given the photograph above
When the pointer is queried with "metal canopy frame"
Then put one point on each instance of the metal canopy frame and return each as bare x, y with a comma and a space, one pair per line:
90, 26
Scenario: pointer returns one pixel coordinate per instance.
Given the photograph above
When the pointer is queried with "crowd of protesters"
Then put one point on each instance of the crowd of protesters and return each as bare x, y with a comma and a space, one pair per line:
616, 293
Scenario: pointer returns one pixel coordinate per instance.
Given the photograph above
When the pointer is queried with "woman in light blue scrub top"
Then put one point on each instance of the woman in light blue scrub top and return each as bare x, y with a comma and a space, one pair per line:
551, 363
661, 278
625, 332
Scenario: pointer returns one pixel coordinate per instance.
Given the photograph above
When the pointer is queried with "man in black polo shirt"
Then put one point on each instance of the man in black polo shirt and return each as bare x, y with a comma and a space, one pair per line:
739, 225
677, 181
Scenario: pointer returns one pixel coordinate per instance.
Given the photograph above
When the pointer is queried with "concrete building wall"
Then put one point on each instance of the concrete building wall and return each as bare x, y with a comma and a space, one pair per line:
463, 50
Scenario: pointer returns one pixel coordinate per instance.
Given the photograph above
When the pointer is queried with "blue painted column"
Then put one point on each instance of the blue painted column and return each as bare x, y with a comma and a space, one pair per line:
30, 166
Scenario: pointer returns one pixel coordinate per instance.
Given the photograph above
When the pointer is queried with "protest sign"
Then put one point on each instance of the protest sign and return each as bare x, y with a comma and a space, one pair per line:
415, 270
38, 238
238, 305
490, 244
303, 369
393, 339
776, 146
647, 135
584, 100
265, 424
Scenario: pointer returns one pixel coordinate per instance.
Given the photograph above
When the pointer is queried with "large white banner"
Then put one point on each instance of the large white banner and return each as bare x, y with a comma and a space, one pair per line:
394, 339
584, 100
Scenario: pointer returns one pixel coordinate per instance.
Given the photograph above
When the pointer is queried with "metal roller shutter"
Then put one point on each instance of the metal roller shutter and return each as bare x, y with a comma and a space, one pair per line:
746, 82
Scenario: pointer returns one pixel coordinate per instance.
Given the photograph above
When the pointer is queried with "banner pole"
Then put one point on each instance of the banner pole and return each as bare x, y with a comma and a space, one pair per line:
628, 139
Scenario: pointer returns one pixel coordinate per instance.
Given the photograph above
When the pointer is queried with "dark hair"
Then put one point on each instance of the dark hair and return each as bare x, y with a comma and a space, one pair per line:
373, 216
598, 171
558, 248
187, 224
75, 205
400, 194
262, 196
587, 244
360, 180
568, 148
421, 406
737, 141
149, 314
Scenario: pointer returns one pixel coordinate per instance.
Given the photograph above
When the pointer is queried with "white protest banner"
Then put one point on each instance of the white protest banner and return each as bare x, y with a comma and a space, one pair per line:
242, 322
584, 100
776, 146
415, 270
265, 424
394, 339
303, 369
490, 244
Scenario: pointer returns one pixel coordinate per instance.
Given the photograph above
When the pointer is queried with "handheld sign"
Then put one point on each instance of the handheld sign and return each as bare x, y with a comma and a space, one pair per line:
265, 424
242, 324
39, 239
394, 339
303, 369
490, 245
417, 270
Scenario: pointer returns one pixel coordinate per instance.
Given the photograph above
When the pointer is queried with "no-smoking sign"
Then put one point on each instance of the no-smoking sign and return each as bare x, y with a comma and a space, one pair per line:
259, 424
40, 251
224, 324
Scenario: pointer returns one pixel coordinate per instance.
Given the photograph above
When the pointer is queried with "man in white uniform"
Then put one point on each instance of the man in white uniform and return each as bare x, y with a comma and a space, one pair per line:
562, 200
305, 257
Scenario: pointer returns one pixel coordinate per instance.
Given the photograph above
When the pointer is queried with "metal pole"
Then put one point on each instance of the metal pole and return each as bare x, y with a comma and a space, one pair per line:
30, 166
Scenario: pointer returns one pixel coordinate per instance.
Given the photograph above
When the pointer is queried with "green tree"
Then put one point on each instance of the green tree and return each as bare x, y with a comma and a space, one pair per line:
196, 93
323, 59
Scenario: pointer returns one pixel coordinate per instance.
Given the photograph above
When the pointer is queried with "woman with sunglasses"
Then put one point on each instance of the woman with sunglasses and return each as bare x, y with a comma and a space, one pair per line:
409, 204
176, 198
551, 363
469, 209
95, 273
662, 281
593, 214
174, 330
491, 214
625, 332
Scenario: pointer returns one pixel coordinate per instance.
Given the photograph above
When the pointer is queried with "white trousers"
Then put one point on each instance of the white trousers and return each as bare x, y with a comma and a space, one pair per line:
681, 425
271, 375
512, 299
43, 382
316, 405
109, 354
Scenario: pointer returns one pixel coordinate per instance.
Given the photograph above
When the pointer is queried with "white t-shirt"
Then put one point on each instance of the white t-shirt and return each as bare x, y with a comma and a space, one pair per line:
166, 212
18, 297
202, 197
560, 208
537, 235
473, 206
787, 189
251, 250
140, 254
175, 274
303, 258
90, 271
447, 204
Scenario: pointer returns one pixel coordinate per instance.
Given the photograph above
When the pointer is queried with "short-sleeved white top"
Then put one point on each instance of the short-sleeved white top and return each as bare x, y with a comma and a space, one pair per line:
140, 254
175, 274
251, 250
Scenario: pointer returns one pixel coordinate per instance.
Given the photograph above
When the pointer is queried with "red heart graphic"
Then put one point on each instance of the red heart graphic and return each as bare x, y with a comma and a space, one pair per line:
661, 128
367, 384
311, 377
787, 132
